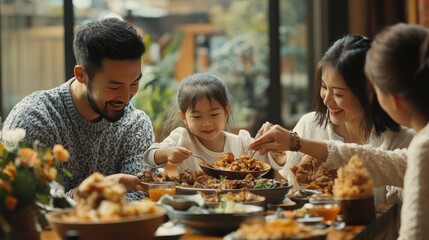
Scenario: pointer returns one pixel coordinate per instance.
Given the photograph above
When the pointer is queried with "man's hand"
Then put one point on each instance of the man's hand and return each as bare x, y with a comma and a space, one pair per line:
131, 182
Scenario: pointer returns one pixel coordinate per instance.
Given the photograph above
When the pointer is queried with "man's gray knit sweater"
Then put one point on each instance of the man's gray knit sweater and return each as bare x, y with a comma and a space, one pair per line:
107, 147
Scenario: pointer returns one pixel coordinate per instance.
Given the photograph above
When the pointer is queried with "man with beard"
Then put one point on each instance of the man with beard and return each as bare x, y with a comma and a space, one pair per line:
91, 114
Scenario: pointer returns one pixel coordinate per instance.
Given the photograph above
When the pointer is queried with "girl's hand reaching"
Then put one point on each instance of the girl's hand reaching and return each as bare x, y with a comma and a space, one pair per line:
173, 155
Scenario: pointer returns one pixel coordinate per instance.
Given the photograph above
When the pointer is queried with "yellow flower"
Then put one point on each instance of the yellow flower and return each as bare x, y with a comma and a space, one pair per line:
50, 173
28, 156
10, 170
49, 158
5, 185
60, 153
10, 202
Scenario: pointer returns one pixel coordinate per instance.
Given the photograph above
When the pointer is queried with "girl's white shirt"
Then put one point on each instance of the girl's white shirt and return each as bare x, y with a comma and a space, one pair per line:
237, 144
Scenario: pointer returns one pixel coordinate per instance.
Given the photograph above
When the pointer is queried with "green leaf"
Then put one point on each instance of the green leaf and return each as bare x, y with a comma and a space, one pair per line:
24, 187
67, 172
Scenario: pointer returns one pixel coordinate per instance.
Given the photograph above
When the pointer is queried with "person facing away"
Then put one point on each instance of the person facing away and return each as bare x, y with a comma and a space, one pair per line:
91, 114
398, 67
204, 109
347, 110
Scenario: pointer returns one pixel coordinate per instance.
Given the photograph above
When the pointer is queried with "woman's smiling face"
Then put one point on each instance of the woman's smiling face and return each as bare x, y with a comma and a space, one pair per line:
343, 106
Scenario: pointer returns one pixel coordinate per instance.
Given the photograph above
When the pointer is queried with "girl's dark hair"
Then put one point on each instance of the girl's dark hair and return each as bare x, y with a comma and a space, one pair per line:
109, 38
347, 58
199, 86
399, 63
191, 89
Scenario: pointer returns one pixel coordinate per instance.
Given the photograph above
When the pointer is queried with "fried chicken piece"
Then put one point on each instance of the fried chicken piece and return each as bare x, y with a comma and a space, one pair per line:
145, 176
310, 173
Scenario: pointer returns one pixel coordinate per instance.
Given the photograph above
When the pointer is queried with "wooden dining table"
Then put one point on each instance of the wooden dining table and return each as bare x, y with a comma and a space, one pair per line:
386, 216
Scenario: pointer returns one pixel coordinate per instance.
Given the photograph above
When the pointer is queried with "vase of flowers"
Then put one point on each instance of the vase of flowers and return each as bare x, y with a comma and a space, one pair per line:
25, 225
26, 172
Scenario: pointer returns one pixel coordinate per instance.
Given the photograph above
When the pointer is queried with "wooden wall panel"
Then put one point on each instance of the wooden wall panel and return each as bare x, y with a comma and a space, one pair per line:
423, 12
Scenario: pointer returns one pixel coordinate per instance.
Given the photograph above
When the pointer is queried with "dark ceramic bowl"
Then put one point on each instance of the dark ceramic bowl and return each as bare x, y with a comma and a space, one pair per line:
233, 175
272, 195
301, 197
216, 223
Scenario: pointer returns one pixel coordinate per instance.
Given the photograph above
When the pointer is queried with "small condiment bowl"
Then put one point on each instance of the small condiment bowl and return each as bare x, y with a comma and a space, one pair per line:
326, 208
182, 202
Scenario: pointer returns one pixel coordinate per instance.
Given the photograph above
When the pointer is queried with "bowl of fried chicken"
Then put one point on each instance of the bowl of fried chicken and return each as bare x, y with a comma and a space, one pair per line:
230, 167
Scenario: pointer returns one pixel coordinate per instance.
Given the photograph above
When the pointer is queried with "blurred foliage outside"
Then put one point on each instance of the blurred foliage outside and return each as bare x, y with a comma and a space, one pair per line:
242, 61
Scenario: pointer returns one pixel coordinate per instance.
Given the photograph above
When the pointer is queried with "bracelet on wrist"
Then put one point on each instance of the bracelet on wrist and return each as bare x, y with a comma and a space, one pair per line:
294, 142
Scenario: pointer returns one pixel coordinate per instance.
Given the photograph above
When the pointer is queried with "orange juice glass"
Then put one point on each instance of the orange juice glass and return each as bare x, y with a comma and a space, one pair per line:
157, 190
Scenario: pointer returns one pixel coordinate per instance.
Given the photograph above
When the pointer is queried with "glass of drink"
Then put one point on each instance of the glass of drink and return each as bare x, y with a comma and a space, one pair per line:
157, 190
326, 208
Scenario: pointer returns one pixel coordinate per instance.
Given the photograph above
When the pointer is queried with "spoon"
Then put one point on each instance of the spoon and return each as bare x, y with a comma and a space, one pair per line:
202, 159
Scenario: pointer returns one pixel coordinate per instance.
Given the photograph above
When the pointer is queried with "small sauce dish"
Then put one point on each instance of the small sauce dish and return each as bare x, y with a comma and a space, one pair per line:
182, 202
326, 208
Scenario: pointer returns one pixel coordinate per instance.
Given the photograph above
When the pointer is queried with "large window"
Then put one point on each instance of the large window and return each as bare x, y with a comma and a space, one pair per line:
32, 48
227, 37
294, 60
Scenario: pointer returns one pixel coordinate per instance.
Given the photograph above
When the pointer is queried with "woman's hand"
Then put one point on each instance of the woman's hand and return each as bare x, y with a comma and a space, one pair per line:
278, 155
265, 127
276, 138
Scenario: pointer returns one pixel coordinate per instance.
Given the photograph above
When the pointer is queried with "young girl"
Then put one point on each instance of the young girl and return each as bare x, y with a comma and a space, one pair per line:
204, 110
398, 66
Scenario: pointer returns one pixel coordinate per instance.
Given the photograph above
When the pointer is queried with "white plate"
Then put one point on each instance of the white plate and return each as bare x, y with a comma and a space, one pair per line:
168, 230
310, 220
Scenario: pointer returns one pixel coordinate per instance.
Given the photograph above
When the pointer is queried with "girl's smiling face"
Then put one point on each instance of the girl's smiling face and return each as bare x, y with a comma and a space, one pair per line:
206, 121
342, 104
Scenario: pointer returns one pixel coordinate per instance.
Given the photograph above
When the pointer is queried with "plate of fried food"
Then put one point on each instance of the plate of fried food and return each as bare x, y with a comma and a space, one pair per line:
277, 229
243, 196
101, 212
273, 190
311, 173
231, 167
192, 182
